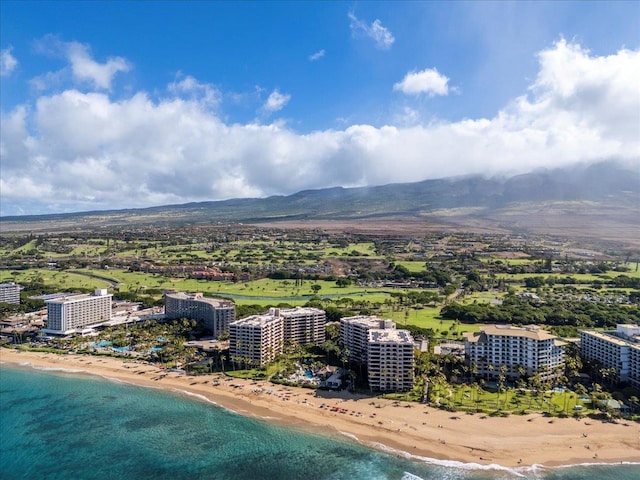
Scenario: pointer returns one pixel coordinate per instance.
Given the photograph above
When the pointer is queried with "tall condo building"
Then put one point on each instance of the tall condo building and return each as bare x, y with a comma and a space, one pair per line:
302, 325
390, 360
215, 314
9, 293
617, 349
72, 313
256, 340
387, 352
527, 350
354, 334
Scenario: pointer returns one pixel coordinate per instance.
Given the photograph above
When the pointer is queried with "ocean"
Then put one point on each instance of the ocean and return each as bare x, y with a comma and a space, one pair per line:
64, 425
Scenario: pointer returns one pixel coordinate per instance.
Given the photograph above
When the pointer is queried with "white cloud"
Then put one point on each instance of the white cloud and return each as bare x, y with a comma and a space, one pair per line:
317, 56
7, 62
82, 69
84, 150
85, 68
381, 35
190, 88
428, 81
276, 101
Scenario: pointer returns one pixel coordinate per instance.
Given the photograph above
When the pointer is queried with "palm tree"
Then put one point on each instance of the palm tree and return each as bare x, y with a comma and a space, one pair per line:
222, 360
501, 379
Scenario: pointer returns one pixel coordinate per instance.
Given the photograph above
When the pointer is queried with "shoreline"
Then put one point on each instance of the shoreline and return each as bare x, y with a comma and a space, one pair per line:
474, 441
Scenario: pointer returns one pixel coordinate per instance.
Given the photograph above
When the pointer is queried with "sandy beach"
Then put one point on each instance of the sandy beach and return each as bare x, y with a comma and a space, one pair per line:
514, 441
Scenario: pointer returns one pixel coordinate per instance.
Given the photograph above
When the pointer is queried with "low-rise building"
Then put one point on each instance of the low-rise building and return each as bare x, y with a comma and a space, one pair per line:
71, 314
617, 349
215, 314
514, 351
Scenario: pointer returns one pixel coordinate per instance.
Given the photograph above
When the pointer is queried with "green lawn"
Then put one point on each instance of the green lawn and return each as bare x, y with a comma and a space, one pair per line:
263, 291
429, 318
413, 266
466, 397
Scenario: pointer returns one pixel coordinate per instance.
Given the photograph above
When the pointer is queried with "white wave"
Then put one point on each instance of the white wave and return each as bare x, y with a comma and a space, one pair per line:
594, 464
519, 472
349, 435
59, 369
196, 395
410, 476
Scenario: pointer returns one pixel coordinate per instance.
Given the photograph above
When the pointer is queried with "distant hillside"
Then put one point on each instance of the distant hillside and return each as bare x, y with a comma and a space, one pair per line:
608, 185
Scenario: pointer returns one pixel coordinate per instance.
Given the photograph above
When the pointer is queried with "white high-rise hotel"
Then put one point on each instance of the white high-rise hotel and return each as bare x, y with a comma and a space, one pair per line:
618, 349
388, 353
303, 325
74, 312
354, 333
258, 339
390, 360
529, 348
215, 314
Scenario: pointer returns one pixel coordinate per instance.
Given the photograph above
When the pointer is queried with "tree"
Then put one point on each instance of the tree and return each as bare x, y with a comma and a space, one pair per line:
316, 288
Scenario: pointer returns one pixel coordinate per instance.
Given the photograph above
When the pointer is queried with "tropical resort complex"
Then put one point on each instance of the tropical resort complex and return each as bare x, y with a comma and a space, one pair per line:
382, 357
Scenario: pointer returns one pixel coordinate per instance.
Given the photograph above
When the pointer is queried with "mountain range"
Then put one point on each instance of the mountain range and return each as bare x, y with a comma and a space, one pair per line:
602, 191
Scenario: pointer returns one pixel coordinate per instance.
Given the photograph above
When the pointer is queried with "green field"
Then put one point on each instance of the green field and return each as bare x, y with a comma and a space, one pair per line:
467, 397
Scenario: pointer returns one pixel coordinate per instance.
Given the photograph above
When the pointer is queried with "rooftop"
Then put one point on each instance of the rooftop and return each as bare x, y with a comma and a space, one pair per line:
390, 336
256, 320
370, 321
532, 332
284, 312
216, 302
77, 297
611, 337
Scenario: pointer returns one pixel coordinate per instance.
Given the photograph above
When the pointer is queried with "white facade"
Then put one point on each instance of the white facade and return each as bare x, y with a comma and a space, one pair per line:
72, 313
354, 333
256, 340
617, 349
531, 348
390, 360
216, 314
302, 325
9, 293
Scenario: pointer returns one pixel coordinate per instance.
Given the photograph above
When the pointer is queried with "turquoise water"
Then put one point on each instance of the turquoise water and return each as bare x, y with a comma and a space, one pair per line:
57, 425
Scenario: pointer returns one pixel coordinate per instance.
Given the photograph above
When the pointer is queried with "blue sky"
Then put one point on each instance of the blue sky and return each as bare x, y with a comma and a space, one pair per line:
127, 104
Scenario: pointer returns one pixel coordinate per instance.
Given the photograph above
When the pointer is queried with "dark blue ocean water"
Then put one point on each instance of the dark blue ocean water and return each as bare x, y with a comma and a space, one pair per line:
56, 425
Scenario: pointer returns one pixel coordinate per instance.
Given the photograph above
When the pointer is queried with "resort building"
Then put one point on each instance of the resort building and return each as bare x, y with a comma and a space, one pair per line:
617, 349
390, 360
354, 334
256, 340
522, 350
71, 314
302, 325
9, 293
215, 314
